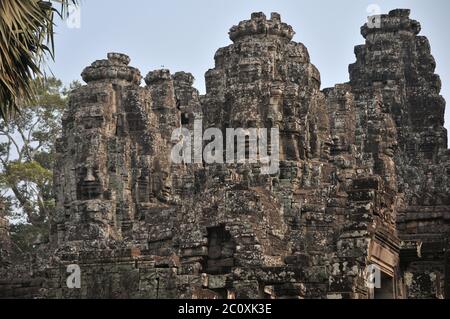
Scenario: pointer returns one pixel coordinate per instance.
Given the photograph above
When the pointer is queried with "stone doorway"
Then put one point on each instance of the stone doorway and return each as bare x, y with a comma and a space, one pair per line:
221, 248
386, 290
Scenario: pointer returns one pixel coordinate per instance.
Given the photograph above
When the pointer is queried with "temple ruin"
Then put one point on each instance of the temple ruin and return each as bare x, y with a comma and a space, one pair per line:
364, 178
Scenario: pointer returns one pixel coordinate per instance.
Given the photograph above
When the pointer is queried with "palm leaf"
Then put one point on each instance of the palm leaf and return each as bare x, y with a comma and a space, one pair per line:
26, 40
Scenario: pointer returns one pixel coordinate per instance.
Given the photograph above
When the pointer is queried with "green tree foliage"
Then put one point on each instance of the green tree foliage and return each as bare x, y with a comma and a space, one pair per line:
27, 155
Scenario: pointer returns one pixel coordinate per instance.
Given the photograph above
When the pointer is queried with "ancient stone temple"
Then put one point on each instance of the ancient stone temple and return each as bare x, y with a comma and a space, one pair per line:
362, 185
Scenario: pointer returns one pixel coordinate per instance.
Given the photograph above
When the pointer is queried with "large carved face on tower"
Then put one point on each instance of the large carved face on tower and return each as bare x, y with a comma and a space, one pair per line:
389, 144
264, 79
89, 185
162, 181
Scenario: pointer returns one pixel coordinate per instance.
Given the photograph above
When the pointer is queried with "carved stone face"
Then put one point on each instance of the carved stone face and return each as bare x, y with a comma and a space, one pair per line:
89, 186
166, 185
326, 148
389, 142
143, 186
162, 182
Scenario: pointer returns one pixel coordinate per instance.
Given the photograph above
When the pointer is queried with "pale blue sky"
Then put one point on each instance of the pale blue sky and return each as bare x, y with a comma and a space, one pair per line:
183, 35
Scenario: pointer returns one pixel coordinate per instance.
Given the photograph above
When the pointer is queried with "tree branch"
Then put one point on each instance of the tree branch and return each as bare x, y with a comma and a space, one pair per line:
12, 141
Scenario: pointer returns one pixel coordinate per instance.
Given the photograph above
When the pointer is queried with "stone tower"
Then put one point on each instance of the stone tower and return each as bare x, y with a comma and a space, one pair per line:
392, 103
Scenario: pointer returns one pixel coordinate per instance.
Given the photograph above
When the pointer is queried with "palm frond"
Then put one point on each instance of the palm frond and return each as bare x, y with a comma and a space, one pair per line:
26, 39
